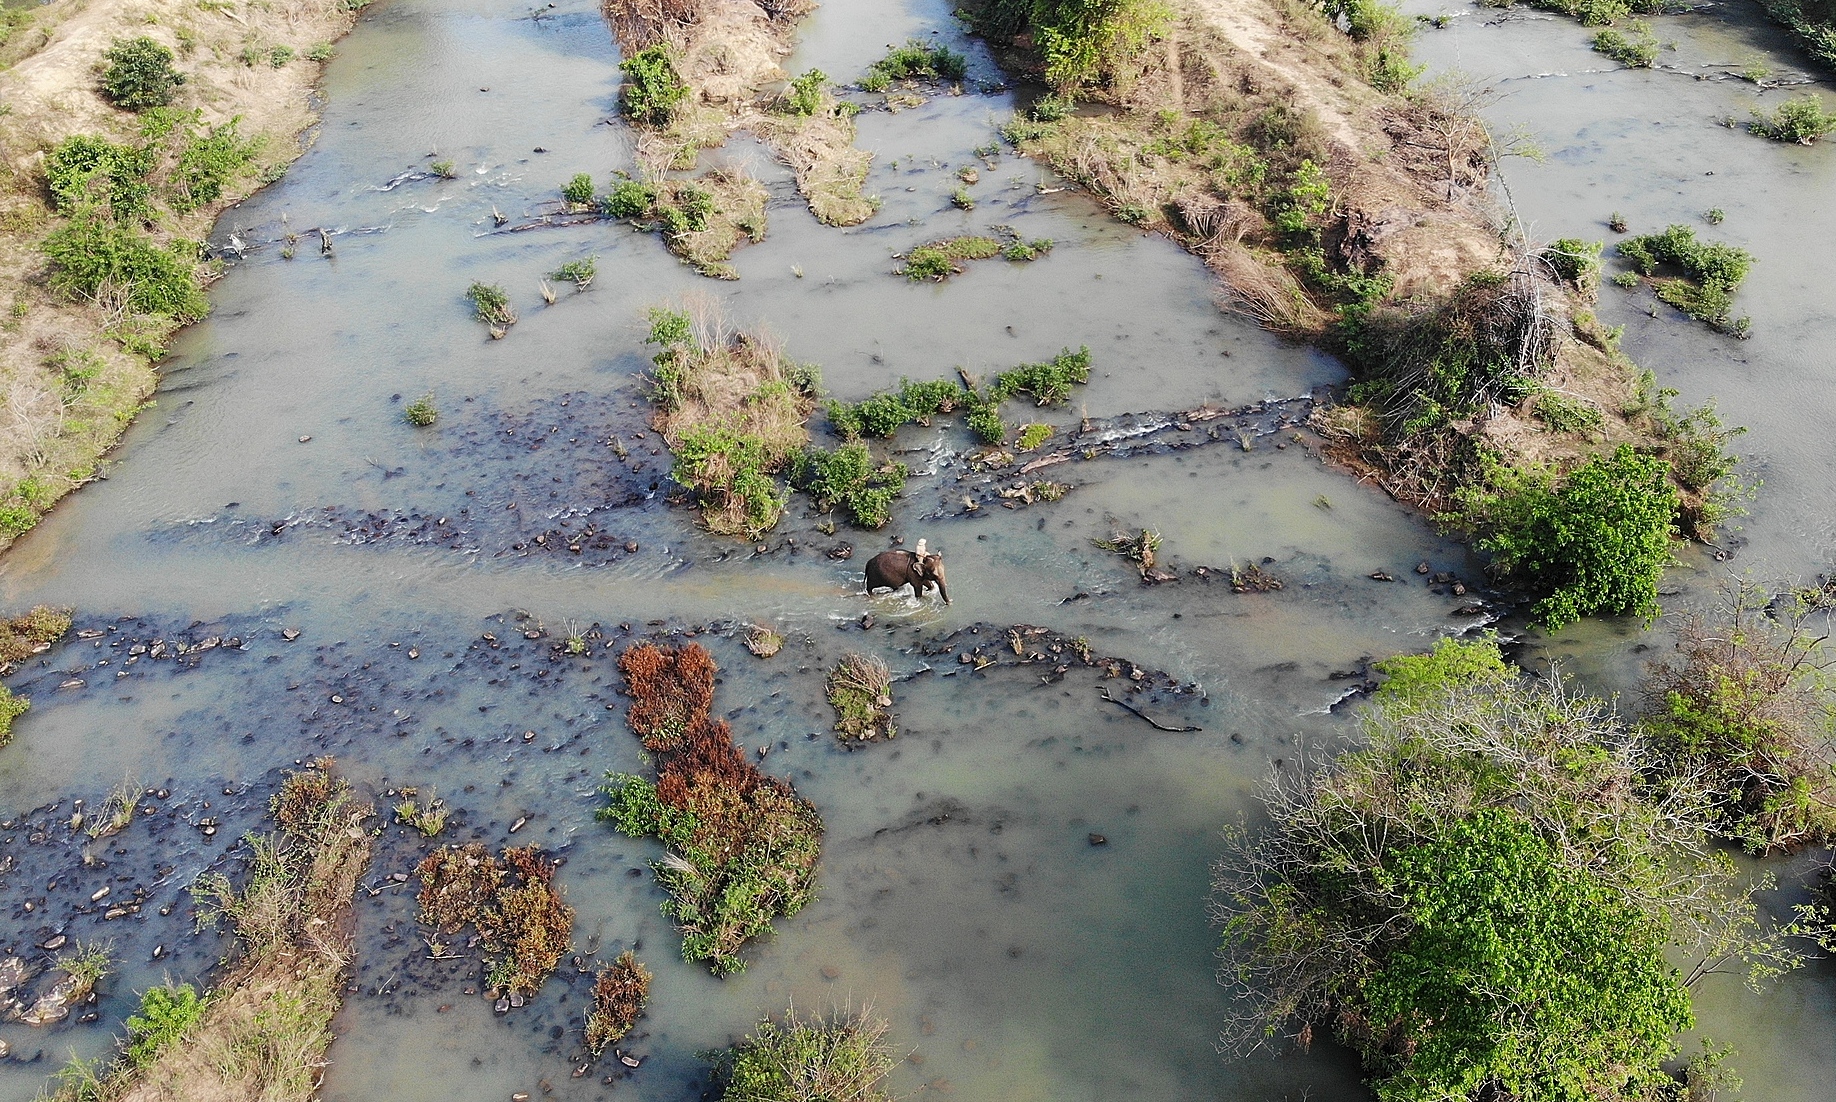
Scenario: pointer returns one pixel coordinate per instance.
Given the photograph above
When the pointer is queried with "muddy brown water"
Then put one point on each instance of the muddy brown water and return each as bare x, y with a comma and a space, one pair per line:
960, 894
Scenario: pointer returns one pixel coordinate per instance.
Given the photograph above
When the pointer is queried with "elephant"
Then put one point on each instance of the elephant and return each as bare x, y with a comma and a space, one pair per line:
897, 569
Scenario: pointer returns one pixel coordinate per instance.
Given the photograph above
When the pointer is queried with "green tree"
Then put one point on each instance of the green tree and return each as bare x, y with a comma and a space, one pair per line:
1595, 542
139, 74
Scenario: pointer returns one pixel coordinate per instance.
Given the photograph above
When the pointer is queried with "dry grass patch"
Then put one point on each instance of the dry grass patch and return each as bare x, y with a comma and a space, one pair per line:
523, 923
714, 64
860, 690
74, 368
265, 1029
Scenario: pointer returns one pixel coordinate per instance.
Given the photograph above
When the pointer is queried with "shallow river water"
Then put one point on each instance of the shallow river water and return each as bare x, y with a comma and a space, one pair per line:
960, 893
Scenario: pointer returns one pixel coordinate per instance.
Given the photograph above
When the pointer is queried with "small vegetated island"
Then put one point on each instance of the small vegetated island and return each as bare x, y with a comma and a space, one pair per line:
734, 407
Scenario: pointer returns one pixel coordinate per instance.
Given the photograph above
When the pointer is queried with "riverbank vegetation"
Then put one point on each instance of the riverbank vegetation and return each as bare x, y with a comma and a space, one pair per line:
843, 1057
1484, 900
1814, 24
1743, 707
125, 133
740, 847
263, 1031
699, 70
1340, 201
732, 406
1710, 273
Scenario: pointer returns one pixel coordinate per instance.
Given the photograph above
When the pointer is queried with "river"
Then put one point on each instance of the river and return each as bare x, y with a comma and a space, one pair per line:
392, 606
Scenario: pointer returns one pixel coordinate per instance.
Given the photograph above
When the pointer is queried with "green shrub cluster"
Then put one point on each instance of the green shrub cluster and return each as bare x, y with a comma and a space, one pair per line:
1483, 901
580, 273
1595, 541
733, 465
91, 256
1077, 41
1594, 13
1575, 262
166, 1014
1802, 120
804, 96
208, 162
1415, 680
12, 706
1814, 23
848, 479
421, 412
491, 304
139, 74
629, 199
915, 60
883, 414
1637, 49
86, 171
1712, 272
1382, 32
578, 191
652, 86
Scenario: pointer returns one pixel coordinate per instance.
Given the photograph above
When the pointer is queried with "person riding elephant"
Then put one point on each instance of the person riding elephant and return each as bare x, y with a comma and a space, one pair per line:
897, 569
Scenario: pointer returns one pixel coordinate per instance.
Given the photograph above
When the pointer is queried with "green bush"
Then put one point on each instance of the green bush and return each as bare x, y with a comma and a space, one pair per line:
578, 272
804, 96
1712, 271
731, 473
1743, 707
208, 163
849, 479
1575, 261
1049, 383
139, 74
87, 171
1600, 13
578, 191
1802, 120
1412, 680
279, 56
445, 170
652, 86
491, 304
914, 61
1482, 902
11, 705
1594, 542
1080, 40
421, 412
166, 1014
1635, 51
629, 199
91, 256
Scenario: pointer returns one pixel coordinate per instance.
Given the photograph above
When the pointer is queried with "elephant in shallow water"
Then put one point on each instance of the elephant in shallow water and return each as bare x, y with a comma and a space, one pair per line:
896, 569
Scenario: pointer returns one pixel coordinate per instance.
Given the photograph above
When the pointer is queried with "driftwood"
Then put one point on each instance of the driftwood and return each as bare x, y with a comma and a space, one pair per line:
1151, 721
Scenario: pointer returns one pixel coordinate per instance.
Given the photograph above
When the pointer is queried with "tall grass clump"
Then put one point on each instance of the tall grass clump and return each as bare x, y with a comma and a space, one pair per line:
732, 406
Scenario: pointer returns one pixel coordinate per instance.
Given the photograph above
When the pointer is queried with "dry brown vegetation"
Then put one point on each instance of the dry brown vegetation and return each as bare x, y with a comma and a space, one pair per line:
727, 52
742, 846
619, 993
510, 898
51, 434
265, 1029
30, 633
